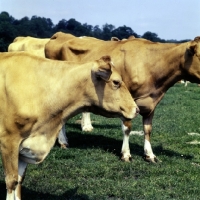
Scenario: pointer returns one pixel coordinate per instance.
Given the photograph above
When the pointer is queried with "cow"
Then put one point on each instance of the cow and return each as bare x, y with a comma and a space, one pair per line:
36, 46
148, 69
30, 44
33, 106
60, 38
56, 42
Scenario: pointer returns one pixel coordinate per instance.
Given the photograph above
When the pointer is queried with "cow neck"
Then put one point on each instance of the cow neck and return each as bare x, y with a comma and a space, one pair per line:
75, 80
172, 62
160, 69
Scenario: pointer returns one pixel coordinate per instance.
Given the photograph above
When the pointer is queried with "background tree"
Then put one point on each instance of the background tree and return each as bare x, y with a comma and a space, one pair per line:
107, 31
73, 27
151, 36
123, 32
7, 30
41, 27
97, 32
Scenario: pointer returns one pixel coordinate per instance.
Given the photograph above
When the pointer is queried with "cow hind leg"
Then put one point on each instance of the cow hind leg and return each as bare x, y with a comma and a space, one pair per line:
86, 124
126, 129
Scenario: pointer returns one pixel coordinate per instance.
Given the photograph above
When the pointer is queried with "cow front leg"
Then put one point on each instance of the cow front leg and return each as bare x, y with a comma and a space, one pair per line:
10, 153
21, 174
126, 129
86, 123
148, 152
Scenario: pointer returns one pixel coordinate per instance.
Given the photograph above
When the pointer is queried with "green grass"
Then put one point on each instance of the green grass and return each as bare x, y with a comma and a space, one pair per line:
91, 168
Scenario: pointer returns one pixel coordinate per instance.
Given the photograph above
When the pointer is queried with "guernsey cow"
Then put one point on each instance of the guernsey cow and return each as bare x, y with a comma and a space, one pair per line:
56, 42
30, 44
53, 50
148, 69
33, 106
60, 39
36, 46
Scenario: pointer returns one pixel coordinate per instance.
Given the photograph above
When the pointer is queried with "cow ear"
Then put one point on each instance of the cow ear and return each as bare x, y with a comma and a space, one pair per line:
114, 39
192, 48
104, 70
193, 45
197, 39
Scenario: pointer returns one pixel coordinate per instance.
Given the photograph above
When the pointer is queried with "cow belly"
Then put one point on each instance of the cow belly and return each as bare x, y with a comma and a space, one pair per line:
34, 149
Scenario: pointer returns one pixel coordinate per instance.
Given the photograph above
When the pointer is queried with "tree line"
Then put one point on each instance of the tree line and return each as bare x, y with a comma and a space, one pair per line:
41, 27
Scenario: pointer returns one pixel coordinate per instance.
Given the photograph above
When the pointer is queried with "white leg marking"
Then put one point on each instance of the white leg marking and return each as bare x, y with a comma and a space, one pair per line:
125, 145
11, 196
21, 173
148, 150
86, 124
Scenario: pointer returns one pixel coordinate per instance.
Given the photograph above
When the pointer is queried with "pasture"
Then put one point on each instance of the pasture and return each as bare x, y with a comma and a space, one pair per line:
91, 168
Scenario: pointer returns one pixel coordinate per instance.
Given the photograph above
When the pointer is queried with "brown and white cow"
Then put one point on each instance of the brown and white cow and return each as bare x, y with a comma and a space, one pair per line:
148, 69
33, 106
36, 46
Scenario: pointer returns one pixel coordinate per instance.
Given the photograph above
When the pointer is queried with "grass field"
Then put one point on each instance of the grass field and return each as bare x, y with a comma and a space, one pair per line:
91, 168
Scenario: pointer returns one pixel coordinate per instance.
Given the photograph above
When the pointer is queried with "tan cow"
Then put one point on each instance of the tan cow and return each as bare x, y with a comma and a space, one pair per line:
30, 44
36, 46
60, 38
148, 69
31, 114
56, 42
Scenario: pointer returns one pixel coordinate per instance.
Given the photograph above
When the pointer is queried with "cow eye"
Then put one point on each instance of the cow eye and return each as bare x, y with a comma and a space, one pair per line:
116, 83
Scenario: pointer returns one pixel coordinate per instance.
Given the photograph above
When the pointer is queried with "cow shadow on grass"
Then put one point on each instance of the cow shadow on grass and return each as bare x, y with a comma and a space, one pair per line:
84, 140
159, 150
33, 195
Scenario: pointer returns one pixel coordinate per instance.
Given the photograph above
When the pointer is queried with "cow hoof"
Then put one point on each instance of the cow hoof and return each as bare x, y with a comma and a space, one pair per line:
152, 160
126, 159
87, 128
64, 146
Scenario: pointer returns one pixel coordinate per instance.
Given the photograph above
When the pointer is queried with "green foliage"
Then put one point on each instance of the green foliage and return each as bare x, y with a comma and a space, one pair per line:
41, 27
124, 32
91, 168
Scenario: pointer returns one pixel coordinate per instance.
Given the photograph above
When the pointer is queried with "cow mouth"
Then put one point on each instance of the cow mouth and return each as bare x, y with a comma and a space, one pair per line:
122, 114
132, 114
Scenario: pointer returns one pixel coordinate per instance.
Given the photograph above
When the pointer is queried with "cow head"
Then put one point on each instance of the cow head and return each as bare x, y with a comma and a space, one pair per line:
192, 60
195, 47
111, 92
